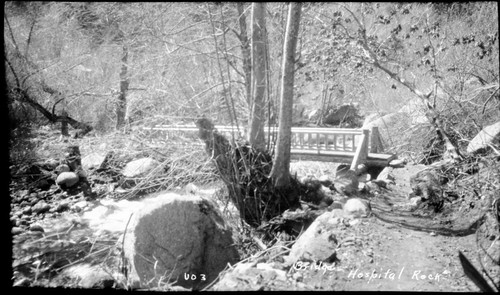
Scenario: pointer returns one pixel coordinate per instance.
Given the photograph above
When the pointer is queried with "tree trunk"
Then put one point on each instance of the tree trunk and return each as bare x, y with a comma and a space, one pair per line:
257, 118
281, 166
121, 104
64, 123
451, 149
245, 52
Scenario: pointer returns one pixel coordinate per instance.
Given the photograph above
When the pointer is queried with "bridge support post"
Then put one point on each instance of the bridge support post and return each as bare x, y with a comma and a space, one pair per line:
361, 152
376, 145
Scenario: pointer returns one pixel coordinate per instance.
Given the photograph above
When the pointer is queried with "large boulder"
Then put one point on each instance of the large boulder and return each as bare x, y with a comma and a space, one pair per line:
347, 115
318, 242
178, 238
489, 135
139, 167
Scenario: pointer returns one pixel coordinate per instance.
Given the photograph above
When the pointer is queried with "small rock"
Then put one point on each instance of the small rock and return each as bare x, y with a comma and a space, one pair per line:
27, 210
51, 164
353, 222
88, 276
23, 221
62, 168
336, 205
16, 230
397, 163
67, 179
191, 188
43, 184
24, 193
298, 276
80, 206
364, 177
415, 201
325, 180
63, 206
41, 207
362, 168
81, 173
386, 175
36, 227
357, 207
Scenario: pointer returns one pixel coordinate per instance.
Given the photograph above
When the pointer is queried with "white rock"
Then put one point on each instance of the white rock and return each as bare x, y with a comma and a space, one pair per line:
62, 168
356, 207
364, 178
93, 161
317, 243
67, 179
87, 276
415, 201
386, 175
79, 206
139, 167
397, 163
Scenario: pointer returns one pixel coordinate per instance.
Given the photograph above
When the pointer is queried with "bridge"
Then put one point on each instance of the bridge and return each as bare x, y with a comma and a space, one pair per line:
342, 145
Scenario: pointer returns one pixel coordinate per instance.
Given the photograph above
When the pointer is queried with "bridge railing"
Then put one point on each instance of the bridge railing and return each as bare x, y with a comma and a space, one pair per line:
303, 138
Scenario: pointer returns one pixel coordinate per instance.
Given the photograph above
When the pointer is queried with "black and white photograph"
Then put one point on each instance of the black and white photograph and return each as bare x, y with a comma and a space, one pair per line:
252, 146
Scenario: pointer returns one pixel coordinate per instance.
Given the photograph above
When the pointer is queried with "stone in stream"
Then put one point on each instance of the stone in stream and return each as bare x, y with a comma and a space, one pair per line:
41, 207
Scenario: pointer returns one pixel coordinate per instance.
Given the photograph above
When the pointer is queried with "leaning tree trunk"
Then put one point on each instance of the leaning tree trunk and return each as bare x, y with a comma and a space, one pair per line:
280, 173
452, 150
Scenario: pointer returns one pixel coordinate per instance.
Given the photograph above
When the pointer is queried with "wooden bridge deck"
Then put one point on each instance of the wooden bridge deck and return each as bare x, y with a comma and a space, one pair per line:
373, 159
